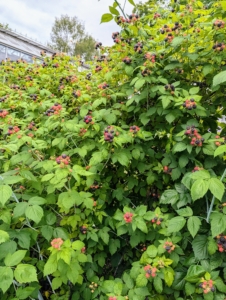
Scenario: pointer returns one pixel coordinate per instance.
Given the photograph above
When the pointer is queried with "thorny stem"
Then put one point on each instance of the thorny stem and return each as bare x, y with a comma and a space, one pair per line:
213, 200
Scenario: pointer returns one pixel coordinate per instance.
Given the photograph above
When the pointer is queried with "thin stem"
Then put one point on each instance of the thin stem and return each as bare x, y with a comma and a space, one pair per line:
120, 8
213, 200
124, 5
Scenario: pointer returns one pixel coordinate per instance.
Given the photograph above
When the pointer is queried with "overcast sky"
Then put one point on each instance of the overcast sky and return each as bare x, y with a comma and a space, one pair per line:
35, 18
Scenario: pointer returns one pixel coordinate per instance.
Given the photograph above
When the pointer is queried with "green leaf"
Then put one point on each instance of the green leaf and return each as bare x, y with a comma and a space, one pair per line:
207, 68
25, 273
189, 288
6, 275
114, 11
194, 91
176, 224
219, 78
4, 236
50, 266
15, 258
177, 41
169, 197
36, 201
56, 283
193, 225
179, 147
34, 213
199, 189
106, 18
169, 276
199, 246
24, 293
158, 284
47, 232
183, 161
139, 83
185, 212
218, 223
220, 150
217, 188
202, 174
132, 2
152, 251
128, 280
77, 245
5, 193
220, 285
195, 273
141, 280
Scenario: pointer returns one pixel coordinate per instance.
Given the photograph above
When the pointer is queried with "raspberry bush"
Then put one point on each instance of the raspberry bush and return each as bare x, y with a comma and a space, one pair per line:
112, 180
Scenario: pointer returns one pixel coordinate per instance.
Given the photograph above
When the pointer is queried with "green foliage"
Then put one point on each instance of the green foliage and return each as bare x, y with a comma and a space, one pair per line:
112, 184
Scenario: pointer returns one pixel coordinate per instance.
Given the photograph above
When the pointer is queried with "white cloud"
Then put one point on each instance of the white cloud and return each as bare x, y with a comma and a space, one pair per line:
36, 17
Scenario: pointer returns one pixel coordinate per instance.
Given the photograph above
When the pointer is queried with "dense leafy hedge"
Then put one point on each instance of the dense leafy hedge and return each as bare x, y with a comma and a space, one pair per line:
112, 183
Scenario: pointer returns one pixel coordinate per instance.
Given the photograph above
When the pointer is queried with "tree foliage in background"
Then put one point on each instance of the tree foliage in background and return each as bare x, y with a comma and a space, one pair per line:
69, 36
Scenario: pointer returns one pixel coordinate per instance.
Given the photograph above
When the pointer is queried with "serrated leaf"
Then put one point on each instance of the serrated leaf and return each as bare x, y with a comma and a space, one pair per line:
139, 83
176, 224
15, 258
106, 18
193, 225
141, 280
199, 189
220, 150
185, 212
158, 284
5, 193
217, 188
218, 223
219, 78
179, 147
6, 275
199, 246
34, 213
25, 273
114, 11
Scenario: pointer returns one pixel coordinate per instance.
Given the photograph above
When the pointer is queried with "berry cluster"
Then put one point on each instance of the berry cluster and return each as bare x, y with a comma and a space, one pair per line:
76, 94
167, 170
179, 71
93, 286
169, 87
169, 246
156, 220
196, 138
88, 119
218, 47
145, 72
138, 47
109, 134
150, 271
177, 26
196, 169
2, 99
134, 129
128, 217
56, 65
157, 15
28, 78
13, 129
219, 143
31, 126
112, 298
103, 86
83, 250
88, 76
165, 29
15, 87
3, 113
33, 96
169, 38
98, 45
95, 186
98, 68
189, 104
83, 229
221, 207
63, 159
207, 286
82, 131
219, 24
127, 60
54, 110
221, 243
150, 56
44, 65
143, 247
